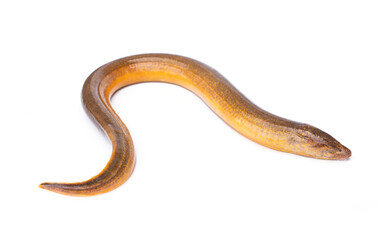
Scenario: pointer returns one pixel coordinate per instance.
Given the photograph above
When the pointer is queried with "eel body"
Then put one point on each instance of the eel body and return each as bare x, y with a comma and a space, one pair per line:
225, 100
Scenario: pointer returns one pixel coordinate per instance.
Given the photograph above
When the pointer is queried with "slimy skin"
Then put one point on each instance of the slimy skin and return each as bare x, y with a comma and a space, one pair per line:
225, 100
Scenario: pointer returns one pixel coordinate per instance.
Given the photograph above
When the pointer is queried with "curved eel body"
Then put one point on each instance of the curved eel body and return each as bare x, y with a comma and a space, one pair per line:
224, 99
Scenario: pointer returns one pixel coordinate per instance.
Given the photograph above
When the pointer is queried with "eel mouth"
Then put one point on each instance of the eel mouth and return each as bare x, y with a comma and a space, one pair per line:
342, 153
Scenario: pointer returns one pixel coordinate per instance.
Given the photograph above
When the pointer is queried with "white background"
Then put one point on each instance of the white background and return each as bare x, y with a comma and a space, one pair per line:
319, 62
